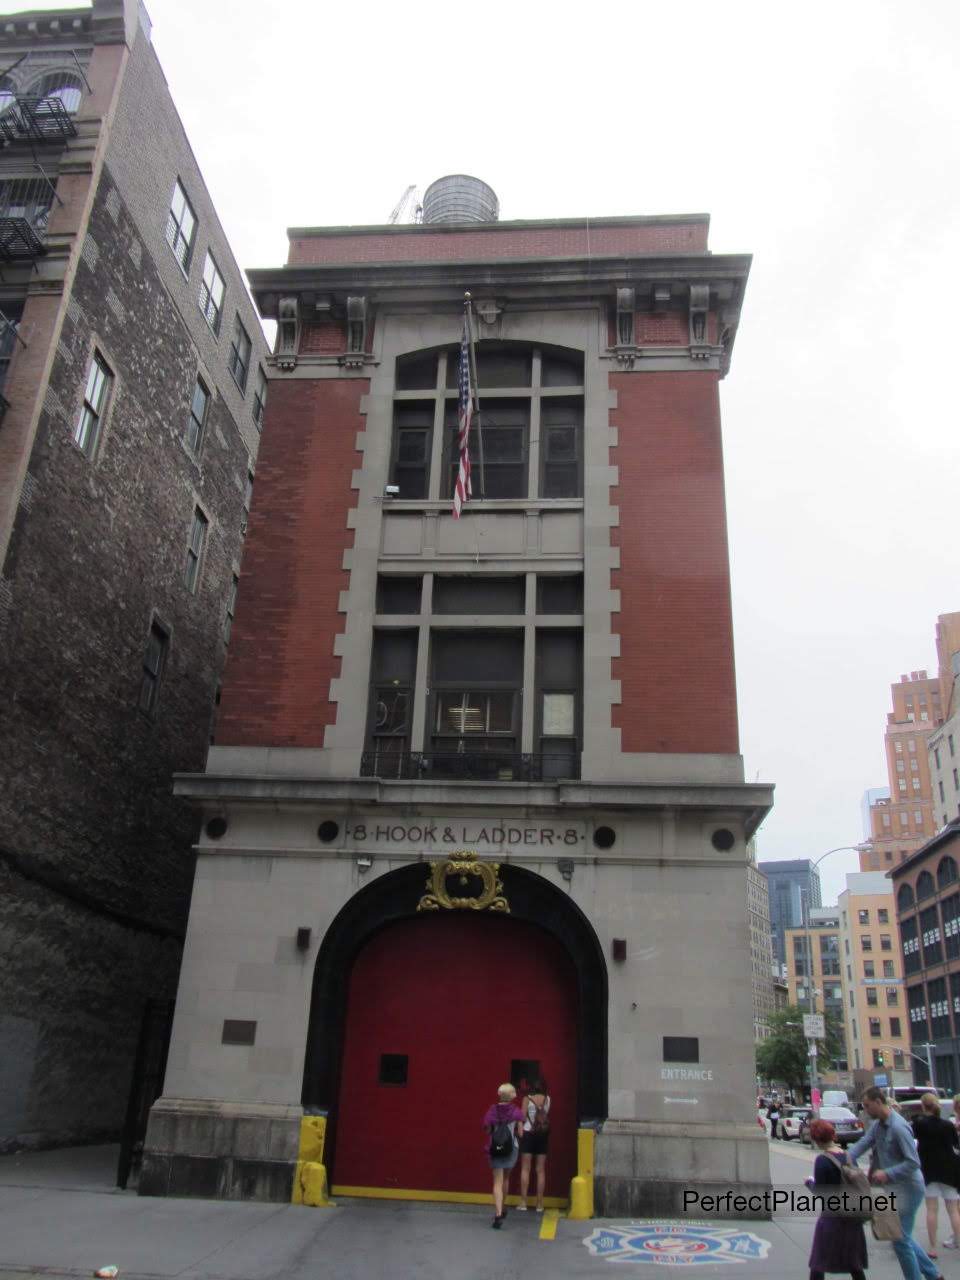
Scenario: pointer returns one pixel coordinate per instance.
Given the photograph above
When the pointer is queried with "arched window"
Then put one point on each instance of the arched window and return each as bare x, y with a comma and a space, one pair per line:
7, 90
946, 872
904, 898
925, 886
65, 85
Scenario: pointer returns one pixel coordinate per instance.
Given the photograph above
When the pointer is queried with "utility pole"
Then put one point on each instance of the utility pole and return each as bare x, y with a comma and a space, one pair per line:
811, 1001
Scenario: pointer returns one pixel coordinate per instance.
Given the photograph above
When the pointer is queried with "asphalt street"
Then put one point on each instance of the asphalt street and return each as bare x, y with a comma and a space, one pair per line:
61, 1216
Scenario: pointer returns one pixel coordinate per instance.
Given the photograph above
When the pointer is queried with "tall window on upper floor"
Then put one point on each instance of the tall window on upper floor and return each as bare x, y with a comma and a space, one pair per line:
474, 711
211, 292
181, 227
526, 440
239, 358
559, 671
392, 677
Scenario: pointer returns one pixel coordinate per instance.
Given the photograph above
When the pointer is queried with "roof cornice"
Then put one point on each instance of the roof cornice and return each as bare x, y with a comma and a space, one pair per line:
516, 224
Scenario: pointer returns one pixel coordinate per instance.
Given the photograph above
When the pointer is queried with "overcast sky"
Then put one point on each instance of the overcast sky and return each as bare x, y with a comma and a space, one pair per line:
822, 139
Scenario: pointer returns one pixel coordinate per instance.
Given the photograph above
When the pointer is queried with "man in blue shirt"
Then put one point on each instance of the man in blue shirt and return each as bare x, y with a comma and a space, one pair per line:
894, 1153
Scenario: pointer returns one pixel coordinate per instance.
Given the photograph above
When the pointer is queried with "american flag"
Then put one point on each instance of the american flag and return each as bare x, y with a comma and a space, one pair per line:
462, 489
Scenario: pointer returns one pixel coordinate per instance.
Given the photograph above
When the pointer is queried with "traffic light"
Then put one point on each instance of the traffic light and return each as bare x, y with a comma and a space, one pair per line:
880, 1058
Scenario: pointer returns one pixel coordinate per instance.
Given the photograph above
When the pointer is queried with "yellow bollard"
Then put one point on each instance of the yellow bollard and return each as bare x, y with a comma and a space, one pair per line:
581, 1187
313, 1180
310, 1178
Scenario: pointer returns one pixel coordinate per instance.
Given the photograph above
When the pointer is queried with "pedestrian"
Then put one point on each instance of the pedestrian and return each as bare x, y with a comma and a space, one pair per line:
894, 1162
503, 1122
838, 1243
773, 1115
937, 1147
956, 1111
534, 1141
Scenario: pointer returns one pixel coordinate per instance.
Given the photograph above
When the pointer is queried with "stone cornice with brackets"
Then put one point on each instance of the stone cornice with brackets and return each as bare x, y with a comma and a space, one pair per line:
695, 284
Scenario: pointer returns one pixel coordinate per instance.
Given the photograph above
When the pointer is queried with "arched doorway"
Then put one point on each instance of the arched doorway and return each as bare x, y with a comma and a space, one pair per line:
440, 1011
391, 899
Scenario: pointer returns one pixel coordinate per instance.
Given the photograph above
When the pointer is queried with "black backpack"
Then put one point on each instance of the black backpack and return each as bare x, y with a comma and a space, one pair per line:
501, 1140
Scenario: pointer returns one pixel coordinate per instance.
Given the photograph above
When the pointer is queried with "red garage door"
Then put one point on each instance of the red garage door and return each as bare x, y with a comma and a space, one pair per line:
441, 1010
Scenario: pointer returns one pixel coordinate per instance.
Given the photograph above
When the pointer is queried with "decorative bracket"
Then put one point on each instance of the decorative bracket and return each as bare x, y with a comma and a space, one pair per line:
700, 347
466, 867
626, 346
356, 332
288, 332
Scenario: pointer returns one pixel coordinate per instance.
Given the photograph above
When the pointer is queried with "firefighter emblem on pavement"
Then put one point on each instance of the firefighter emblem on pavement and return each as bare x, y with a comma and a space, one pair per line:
671, 1244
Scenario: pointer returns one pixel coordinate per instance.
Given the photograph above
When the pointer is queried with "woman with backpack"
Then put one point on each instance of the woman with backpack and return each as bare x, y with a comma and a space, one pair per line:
503, 1122
839, 1244
534, 1141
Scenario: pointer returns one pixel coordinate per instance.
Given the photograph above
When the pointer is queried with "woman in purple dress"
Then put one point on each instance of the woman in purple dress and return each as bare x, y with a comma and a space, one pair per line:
839, 1244
502, 1122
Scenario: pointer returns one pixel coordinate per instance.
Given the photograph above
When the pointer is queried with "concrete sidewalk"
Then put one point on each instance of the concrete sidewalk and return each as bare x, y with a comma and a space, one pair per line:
60, 1215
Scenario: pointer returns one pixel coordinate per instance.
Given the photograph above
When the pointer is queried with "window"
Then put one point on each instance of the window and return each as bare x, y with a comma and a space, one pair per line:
197, 419
153, 663
868, 969
87, 431
950, 743
895, 1032
875, 1027
936, 756
239, 359
872, 997
886, 819
181, 227
885, 943
231, 607
898, 747
943, 795
211, 293
65, 85
474, 719
888, 969
248, 492
466, 595
392, 677
866, 942
900, 766
561, 436
500, 469
559, 594
883, 916
259, 398
911, 745
914, 766
916, 783
198, 534
863, 917
902, 784
399, 595
956, 781
918, 817
893, 997
412, 436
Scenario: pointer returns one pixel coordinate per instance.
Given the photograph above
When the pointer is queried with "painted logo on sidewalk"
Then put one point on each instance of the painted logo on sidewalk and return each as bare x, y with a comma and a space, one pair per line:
671, 1244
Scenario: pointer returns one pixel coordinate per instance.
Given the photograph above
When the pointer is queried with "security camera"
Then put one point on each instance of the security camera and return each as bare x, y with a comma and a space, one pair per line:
391, 491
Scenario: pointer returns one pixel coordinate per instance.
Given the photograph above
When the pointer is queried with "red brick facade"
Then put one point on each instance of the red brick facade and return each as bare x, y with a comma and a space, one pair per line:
676, 660
281, 660
498, 241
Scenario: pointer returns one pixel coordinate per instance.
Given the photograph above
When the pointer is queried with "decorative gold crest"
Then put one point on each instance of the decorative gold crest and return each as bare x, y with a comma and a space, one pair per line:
464, 865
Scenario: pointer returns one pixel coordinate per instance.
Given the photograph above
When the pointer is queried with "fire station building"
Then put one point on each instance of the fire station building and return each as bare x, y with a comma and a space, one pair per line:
475, 810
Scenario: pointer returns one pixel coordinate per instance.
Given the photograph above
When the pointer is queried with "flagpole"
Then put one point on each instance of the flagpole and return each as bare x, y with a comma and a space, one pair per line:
468, 317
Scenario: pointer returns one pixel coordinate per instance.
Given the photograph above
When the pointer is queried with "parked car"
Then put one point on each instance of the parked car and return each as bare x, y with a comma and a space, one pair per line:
792, 1120
848, 1127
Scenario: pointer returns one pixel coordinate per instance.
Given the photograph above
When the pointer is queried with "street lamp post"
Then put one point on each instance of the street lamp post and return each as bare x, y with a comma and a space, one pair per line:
808, 966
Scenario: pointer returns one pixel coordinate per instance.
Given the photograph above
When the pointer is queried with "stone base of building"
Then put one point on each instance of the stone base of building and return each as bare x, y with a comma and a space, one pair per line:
662, 1169
220, 1150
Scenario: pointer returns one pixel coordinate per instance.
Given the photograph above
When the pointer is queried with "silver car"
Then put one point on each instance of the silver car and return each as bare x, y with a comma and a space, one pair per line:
849, 1128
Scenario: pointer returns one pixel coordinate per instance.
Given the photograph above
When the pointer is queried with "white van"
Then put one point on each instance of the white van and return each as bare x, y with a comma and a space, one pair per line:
834, 1098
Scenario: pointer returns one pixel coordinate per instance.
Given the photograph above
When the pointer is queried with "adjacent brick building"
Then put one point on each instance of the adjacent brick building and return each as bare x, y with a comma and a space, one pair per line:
133, 385
475, 808
927, 889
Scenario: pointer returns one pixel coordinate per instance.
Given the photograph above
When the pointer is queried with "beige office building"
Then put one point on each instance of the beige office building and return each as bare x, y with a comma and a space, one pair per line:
874, 1006
821, 971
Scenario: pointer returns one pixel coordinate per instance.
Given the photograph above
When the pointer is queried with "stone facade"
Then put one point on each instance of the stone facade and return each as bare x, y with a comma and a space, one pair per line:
95, 851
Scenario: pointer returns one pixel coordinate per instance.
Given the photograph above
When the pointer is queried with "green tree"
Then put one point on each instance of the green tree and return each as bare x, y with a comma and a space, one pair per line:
783, 1055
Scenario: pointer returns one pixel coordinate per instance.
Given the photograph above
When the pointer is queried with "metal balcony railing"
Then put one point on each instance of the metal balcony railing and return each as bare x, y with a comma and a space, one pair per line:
470, 766
24, 210
36, 120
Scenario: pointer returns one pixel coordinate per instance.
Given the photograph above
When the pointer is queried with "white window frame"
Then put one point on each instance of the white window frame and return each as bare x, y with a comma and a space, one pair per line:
212, 281
89, 425
180, 210
195, 548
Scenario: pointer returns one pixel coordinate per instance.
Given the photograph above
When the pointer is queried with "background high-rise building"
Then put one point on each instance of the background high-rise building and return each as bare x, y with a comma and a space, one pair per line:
761, 947
794, 886
943, 744
814, 977
902, 823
